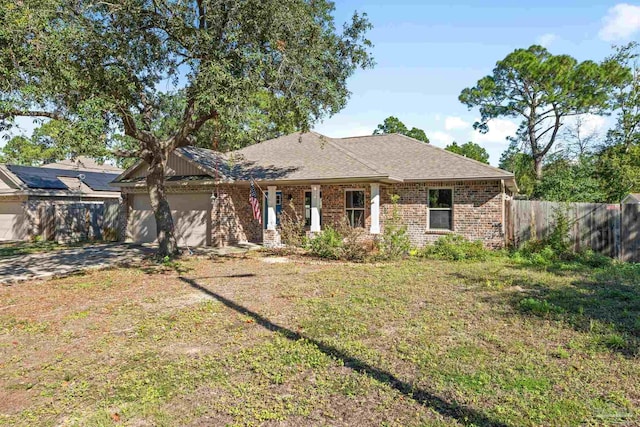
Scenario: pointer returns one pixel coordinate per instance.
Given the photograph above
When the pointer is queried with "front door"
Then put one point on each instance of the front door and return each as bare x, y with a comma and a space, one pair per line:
278, 208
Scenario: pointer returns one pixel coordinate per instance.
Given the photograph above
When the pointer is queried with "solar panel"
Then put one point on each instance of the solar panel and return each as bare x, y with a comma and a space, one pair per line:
47, 179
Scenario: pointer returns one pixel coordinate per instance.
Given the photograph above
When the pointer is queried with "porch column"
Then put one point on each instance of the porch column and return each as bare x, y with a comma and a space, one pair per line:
315, 208
271, 207
375, 209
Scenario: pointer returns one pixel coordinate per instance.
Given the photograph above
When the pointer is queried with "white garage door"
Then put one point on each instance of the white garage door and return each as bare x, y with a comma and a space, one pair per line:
13, 224
191, 218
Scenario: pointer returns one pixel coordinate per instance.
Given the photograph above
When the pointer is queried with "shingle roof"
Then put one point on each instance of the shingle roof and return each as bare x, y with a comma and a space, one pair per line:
304, 156
410, 159
391, 155
311, 156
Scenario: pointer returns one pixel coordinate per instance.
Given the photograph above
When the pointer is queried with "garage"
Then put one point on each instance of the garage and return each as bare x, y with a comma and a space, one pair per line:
191, 216
13, 222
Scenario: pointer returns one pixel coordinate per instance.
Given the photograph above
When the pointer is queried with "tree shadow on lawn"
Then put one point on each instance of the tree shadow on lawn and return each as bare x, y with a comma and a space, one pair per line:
464, 415
605, 302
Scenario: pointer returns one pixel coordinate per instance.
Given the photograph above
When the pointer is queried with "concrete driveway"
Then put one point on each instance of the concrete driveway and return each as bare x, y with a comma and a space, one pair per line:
60, 262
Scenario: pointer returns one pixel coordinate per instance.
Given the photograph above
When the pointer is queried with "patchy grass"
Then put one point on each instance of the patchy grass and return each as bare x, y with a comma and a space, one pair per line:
241, 341
24, 248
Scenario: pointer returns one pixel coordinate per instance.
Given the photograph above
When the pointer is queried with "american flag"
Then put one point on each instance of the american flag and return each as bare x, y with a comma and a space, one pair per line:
255, 204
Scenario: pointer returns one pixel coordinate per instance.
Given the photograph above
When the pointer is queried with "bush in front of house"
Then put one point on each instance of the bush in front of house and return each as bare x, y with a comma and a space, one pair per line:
292, 231
327, 244
341, 242
453, 247
395, 241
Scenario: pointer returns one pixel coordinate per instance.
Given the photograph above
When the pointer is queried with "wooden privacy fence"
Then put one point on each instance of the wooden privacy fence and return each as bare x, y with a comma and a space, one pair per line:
76, 221
609, 229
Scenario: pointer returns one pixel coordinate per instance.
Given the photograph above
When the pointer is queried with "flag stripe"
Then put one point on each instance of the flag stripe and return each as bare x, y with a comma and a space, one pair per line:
255, 204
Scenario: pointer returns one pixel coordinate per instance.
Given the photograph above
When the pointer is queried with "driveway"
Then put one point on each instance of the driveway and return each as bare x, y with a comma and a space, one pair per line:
60, 262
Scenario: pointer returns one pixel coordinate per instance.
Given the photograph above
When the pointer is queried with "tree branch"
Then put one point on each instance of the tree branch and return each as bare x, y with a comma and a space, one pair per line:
27, 113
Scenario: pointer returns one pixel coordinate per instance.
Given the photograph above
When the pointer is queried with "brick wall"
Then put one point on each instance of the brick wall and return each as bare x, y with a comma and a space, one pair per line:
232, 219
477, 209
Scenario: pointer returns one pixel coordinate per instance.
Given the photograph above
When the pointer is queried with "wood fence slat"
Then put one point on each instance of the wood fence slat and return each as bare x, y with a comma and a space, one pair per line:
611, 230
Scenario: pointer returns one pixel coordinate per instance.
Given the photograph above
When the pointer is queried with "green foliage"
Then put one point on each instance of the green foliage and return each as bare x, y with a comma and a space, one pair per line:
521, 165
539, 307
470, 150
394, 125
627, 99
618, 167
158, 71
292, 230
453, 247
327, 244
342, 242
571, 181
395, 242
542, 90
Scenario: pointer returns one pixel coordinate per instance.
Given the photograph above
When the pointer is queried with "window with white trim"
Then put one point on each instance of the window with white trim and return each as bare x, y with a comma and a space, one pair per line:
441, 209
354, 207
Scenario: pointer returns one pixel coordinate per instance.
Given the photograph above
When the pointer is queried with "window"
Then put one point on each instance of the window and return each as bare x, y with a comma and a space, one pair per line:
441, 209
354, 207
307, 208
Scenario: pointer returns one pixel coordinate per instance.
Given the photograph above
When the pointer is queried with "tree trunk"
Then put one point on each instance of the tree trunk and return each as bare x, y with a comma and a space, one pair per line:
537, 161
161, 210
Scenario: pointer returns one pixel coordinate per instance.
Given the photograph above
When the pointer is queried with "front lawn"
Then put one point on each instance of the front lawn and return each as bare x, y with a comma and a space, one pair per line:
255, 340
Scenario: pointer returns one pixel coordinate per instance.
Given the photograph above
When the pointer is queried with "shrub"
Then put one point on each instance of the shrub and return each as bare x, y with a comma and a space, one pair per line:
556, 248
395, 242
327, 244
354, 242
292, 230
455, 248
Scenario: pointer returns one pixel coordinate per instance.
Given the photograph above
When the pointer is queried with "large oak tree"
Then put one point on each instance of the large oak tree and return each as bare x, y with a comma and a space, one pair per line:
114, 64
542, 90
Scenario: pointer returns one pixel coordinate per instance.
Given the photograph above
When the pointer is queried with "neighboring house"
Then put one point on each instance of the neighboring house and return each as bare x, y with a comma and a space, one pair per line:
23, 189
631, 199
322, 180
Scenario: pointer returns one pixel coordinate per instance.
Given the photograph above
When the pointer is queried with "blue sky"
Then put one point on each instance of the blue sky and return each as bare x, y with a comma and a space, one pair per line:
427, 52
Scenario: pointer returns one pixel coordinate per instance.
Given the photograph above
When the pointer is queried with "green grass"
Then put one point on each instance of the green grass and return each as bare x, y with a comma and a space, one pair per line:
244, 342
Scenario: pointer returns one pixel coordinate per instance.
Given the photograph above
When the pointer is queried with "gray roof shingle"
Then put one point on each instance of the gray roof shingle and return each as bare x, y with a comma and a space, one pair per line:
311, 156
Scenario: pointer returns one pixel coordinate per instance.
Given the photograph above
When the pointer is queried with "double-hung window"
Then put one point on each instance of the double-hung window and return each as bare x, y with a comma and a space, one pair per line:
354, 207
441, 209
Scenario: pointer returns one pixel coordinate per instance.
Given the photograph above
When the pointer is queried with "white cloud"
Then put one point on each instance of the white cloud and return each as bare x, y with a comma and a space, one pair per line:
546, 39
440, 138
453, 122
622, 21
590, 123
499, 130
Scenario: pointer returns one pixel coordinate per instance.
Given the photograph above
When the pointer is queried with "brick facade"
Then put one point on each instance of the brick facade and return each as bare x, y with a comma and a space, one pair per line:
477, 210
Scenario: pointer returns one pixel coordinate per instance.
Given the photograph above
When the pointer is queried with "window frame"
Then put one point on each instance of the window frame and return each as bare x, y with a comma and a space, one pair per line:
363, 208
451, 209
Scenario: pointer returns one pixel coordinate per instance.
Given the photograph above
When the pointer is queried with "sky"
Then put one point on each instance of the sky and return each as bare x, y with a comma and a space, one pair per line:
426, 52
